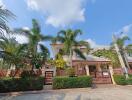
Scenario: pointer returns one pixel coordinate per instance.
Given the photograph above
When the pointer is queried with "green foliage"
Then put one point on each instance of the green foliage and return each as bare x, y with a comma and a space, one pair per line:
27, 73
69, 39
72, 82
12, 52
110, 54
129, 81
71, 72
21, 84
120, 79
58, 62
37, 57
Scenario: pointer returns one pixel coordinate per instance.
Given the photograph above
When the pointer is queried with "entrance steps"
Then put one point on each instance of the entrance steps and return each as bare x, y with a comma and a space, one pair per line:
102, 80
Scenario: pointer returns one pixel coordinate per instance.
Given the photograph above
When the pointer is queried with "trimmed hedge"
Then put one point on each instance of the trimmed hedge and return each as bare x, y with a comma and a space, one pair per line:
21, 84
72, 82
120, 79
129, 81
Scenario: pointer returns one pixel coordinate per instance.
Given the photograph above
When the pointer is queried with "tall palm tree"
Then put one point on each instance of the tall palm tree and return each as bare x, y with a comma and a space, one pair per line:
35, 46
120, 41
69, 39
4, 16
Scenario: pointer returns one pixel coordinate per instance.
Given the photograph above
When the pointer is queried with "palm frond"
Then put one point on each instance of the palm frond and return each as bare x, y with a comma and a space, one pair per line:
62, 32
77, 32
4, 16
36, 27
46, 38
79, 53
45, 52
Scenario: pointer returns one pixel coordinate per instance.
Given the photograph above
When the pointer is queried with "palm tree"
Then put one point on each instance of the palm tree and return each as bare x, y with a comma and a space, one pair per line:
12, 53
69, 39
36, 49
4, 16
120, 41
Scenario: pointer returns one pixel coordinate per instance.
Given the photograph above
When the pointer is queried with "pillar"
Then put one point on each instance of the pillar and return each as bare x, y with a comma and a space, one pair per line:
111, 73
98, 67
87, 70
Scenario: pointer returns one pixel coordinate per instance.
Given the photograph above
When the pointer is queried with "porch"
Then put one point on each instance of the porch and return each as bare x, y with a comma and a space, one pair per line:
99, 70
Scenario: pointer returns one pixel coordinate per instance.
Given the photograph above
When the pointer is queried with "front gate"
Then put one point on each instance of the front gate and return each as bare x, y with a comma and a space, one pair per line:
48, 77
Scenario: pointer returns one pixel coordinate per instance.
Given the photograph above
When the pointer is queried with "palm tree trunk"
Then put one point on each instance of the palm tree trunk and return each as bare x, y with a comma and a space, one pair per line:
70, 58
8, 71
120, 58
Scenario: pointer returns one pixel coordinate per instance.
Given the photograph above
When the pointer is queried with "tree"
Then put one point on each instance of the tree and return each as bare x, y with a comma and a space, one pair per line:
69, 40
120, 41
4, 16
129, 49
110, 54
11, 51
36, 50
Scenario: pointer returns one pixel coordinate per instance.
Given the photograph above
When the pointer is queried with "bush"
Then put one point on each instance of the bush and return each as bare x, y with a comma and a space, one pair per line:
72, 82
71, 72
120, 79
21, 84
28, 73
129, 81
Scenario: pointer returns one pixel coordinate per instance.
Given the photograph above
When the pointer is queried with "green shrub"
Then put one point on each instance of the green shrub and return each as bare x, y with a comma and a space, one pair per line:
21, 84
129, 81
28, 73
72, 82
71, 72
120, 79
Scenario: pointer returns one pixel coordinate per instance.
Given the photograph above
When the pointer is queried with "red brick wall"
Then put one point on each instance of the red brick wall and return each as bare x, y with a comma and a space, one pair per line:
119, 71
17, 73
3, 73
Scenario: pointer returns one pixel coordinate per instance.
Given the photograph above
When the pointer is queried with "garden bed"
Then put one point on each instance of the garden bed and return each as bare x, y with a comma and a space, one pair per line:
72, 82
121, 80
21, 84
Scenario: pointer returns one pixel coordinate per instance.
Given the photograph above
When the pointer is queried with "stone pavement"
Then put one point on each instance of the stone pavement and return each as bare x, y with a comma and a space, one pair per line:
104, 92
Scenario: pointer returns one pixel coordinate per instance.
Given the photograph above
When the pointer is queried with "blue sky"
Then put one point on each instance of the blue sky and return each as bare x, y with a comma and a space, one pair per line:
98, 19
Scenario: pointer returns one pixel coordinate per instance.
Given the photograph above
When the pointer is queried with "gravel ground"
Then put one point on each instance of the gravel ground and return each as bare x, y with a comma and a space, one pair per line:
105, 92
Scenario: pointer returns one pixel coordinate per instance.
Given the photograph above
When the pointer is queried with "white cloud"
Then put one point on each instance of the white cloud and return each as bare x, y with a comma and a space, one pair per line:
60, 12
126, 31
127, 28
2, 4
18, 37
93, 44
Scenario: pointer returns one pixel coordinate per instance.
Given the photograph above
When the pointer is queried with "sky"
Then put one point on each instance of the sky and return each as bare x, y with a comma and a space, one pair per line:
98, 19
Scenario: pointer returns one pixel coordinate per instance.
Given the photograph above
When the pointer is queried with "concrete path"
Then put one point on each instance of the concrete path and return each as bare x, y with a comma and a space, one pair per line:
107, 92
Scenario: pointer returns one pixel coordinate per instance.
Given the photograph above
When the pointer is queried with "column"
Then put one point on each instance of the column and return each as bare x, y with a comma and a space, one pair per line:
98, 67
111, 73
87, 70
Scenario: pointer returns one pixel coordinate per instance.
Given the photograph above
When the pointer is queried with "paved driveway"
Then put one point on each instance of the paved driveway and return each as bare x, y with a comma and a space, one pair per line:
101, 93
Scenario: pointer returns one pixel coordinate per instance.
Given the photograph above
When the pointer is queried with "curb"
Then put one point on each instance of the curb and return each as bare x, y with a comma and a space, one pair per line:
26, 92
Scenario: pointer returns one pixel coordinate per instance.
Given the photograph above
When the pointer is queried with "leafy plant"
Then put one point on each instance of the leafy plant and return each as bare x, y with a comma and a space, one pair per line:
71, 72
72, 82
36, 56
110, 54
69, 40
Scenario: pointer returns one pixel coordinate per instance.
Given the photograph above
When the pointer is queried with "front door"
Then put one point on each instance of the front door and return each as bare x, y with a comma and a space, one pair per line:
92, 70
48, 77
